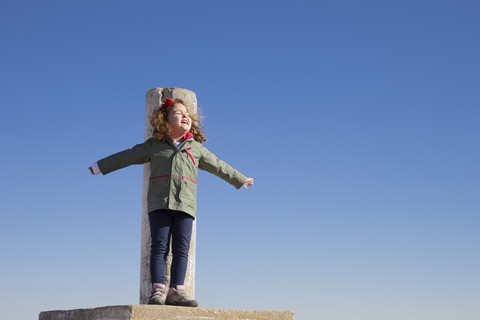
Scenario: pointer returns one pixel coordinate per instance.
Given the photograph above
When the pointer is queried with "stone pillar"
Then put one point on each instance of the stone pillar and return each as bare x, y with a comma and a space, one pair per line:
154, 99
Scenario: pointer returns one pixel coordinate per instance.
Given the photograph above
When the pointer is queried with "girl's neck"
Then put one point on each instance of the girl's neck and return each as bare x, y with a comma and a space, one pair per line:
177, 136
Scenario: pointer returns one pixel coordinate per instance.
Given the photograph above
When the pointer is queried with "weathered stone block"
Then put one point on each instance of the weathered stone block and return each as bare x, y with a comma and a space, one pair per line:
148, 312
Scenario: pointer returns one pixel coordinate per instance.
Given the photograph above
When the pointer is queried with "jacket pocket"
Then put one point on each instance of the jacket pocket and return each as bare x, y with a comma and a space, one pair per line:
191, 157
158, 188
159, 179
188, 179
188, 193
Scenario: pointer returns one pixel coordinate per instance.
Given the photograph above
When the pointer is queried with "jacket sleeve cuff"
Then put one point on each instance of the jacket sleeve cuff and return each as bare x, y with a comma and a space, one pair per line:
241, 179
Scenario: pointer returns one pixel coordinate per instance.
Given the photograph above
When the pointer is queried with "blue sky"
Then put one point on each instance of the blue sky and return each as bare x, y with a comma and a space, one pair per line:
359, 121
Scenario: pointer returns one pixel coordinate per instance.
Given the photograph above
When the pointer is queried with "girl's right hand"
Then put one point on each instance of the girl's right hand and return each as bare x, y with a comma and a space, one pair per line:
91, 170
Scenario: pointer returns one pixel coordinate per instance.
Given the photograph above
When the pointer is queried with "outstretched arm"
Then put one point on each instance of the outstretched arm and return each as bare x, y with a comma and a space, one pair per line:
139, 154
209, 162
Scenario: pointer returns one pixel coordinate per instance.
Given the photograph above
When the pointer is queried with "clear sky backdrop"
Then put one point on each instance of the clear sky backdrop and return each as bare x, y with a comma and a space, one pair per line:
359, 121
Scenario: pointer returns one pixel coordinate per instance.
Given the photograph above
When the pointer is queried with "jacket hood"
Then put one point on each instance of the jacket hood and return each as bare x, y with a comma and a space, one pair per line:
186, 137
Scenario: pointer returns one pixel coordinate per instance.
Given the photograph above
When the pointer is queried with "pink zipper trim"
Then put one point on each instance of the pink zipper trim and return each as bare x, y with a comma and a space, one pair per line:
190, 155
159, 177
183, 177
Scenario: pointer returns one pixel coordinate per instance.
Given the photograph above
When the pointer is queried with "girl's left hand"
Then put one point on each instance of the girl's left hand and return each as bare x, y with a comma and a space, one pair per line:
248, 183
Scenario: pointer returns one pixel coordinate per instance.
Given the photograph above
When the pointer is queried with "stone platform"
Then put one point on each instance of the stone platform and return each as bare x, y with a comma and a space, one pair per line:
148, 312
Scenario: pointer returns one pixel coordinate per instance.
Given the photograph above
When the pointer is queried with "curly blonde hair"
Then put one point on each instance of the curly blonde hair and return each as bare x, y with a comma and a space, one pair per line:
159, 122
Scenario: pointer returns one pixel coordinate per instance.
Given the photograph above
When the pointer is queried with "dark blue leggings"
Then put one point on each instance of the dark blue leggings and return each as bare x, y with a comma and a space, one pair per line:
164, 223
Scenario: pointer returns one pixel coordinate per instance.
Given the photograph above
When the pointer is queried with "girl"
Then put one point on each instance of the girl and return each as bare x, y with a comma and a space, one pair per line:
175, 153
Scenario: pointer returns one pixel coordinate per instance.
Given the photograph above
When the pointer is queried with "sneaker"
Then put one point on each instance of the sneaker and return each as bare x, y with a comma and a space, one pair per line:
159, 295
178, 297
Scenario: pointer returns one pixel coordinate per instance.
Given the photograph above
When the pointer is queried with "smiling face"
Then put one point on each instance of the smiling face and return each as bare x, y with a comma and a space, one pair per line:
179, 119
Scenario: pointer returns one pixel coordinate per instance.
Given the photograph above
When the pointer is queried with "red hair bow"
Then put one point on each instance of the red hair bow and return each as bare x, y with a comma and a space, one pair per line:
166, 103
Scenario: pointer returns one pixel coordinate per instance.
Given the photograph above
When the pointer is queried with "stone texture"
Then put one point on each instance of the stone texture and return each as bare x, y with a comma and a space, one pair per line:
153, 101
146, 312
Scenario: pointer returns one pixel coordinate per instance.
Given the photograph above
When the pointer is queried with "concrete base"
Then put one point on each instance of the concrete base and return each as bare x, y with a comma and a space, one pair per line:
149, 312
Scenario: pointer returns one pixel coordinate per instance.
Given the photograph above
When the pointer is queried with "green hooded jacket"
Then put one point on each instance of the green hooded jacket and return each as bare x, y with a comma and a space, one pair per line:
173, 171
